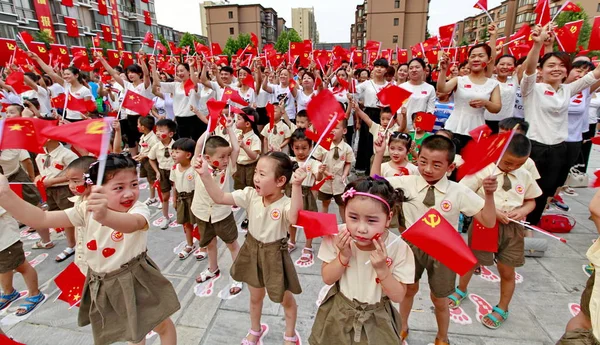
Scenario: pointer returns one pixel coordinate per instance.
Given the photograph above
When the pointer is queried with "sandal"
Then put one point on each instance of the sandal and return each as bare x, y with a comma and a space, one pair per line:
295, 339
441, 342
477, 271
201, 254
185, 252
455, 301
67, 253
497, 323
259, 335
291, 247
30, 304
7, 299
307, 255
41, 245
206, 275
236, 285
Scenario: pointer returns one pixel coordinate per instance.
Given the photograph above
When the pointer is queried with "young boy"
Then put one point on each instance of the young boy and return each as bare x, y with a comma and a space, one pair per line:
51, 167
376, 129
302, 121
147, 142
514, 199
418, 136
510, 123
162, 163
443, 108
432, 189
215, 220
278, 137
337, 161
12, 258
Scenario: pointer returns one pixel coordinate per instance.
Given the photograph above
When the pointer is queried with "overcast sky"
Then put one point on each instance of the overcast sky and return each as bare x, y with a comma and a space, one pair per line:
333, 17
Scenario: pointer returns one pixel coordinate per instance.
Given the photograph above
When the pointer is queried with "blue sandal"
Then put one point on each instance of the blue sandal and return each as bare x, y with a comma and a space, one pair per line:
497, 323
455, 301
7, 299
31, 303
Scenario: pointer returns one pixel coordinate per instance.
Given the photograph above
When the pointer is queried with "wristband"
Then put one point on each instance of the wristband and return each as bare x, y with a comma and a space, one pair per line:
341, 263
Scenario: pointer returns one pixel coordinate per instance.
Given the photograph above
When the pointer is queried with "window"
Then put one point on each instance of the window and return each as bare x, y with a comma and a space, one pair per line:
396, 21
598, 9
502, 24
231, 31
230, 14
396, 3
395, 39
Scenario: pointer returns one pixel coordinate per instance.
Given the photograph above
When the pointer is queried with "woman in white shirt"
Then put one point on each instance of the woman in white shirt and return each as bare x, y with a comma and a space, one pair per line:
308, 91
546, 109
509, 83
402, 74
341, 95
38, 91
423, 94
283, 92
586, 149
245, 91
473, 94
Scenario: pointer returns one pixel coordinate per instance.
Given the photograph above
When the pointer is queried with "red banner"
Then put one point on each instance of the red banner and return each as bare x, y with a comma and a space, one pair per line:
114, 58
7, 49
44, 17
117, 25
60, 54
102, 8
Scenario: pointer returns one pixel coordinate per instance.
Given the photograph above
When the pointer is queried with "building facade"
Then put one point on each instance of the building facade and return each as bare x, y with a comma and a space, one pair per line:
303, 21
21, 15
391, 22
510, 15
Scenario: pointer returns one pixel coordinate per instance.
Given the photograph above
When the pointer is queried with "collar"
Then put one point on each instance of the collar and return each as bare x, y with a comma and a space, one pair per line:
162, 146
441, 185
55, 152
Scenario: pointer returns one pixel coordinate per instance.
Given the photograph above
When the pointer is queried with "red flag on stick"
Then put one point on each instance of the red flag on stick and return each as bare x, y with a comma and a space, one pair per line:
594, 43
138, 103
85, 134
478, 155
216, 49
480, 132
434, 235
17, 188
24, 133
484, 239
214, 111
70, 281
543, 12
318, 186
325, 143
80, 104
271, 114
16, 80
393, 96
568, 35
481, 5
317, 224
322, 109
232, 95
42, 189
156, 186
249, 81
425, 121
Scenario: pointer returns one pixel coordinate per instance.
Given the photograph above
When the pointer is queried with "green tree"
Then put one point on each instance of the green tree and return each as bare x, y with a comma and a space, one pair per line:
235, 44
187, 40
464, 42
427, 34
484, 35
586, 28
44, 36
283, 41
164, 42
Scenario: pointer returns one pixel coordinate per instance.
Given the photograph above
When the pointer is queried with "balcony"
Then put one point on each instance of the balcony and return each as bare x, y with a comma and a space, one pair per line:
7, 8
26, 13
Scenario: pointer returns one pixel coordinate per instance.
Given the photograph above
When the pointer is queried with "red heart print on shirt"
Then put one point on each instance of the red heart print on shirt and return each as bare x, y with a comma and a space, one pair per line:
91, 245
106, 252
248, 142
222, 178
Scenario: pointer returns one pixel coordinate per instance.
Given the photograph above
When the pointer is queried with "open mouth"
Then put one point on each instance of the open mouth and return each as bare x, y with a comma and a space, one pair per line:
127, 203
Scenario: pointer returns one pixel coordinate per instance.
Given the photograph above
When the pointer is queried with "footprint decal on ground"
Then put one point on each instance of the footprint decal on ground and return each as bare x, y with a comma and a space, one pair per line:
518, 278
483, 307
459, 316
38, 259
157, 221
488, 275
206, 289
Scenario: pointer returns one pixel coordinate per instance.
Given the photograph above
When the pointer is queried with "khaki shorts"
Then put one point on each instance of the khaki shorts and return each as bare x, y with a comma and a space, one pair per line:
165, 182
147, 171
12, 257
326, 197
58, 198
586, 296
441, 279
511, 246
225, 229
578, 337
244, 176
184, 211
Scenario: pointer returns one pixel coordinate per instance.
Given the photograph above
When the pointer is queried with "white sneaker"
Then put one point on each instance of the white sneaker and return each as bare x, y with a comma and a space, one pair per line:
150, 202
164, 223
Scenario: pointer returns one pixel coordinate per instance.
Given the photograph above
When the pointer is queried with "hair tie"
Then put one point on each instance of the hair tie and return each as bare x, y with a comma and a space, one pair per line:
351, 193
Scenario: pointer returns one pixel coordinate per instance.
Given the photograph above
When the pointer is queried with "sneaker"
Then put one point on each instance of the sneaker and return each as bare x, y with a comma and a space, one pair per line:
559, 203
164, 223
150, 202
589, 269
570, 191
245, 224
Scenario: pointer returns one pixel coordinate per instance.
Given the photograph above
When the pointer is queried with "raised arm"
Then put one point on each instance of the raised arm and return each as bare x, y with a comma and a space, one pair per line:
363, 116
265, 82
49, 70
489, 70
442, 85
297, 203
116, 75
211, 186
538, 35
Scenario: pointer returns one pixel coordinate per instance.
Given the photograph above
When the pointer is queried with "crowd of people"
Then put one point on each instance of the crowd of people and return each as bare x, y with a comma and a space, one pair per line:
382, 170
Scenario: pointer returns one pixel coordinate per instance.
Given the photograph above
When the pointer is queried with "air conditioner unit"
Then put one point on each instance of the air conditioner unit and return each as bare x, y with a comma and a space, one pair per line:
87, 29
22, 19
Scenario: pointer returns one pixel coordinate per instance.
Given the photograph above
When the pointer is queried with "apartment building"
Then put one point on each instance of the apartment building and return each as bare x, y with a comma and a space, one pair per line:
303, 21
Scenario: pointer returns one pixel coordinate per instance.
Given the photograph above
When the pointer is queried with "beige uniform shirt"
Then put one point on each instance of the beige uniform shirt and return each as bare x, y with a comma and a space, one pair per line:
266, 223
203, 206
375, 129
523, 187
530, 166
10, 230
106, 250
147, 142
312, 169
79, 239
157, 153
358, 281
451, 198
183, 180
53, 164
277, 137
253, 141
336, 185
593, 254
10, 160
388, 171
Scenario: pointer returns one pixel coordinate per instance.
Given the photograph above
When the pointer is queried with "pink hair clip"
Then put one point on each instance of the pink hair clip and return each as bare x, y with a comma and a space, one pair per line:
351, 193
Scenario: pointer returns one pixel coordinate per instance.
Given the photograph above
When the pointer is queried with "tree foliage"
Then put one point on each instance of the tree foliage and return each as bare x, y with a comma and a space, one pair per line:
164, 42
187, 40
283, 41
235, 44
44, 36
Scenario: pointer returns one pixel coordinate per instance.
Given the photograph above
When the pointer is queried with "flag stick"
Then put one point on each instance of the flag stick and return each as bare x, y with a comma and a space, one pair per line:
486, 12
539, 15
537, 229
1, 129
207, 134
516, 39
22, 41
387, 247
154, 49
559, 42
104, 149
321, 137
67, 94
559, 10
21, 183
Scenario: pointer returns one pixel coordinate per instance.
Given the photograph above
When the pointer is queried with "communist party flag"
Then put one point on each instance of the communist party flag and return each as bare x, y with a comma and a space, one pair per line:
138, 103
325, 113
317, 224
107, 34
425, 121
86, 134
41, 50
70, 281
594, 43
567, 36
254, 39
393, 96
7, 48
24, 133
72, 28
102, 8
113, 57
434, 235
68, 3
60, 54
296, 48
478, 155
214, 112
127, 59
232, 95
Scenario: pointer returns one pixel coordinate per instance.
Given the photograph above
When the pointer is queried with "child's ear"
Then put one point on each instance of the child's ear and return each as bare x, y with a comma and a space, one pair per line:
281, 181
189, 155
451, 167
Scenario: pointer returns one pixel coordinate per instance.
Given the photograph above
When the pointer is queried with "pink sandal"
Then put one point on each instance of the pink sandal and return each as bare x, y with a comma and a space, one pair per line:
295, 339
264, 329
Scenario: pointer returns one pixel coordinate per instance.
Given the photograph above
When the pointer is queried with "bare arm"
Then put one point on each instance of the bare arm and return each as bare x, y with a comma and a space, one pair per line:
211, 186
362, 115
297, 204
265, 82
49, 70
489, 70
442, 85
28, 166
487, 216
538, 35
116, 75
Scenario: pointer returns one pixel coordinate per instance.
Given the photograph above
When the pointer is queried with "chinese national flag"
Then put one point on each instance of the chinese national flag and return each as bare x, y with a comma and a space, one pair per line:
325, 143
58, 102
434, 235
523, 33
214, 111
480, 132
596, 182
431, 43
393, 96
138, 103
478, 155
72, 29
324, 112
161, 47
570, 7
484, 239
234, 96
26, 37
317, 224
147, 18
96, 41
102, 8
188, 86
447, 32
70, 281
481, 5
270, 108
372, 45
567, 36
201, 48
254, 39
416, 51
68, 3
543, 12
148, 39
425, 121
107, 34
3, 338
318, 186
24, 133
215, 48
595, 35
249, 81
85, 134
7, 48
17, 81
17, 188
80, 104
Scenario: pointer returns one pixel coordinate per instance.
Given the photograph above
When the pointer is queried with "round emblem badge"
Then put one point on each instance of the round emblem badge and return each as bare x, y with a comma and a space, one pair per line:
116, 236
519, 189
275, 214
446, 205
190, 177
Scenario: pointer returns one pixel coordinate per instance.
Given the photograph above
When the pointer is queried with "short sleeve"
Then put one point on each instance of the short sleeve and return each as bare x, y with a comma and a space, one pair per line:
76, 214
404, 264
256, 144
319, 153
172, 175
532, 168
265, 131
533, 189
152, 153
68, 157
168, 87
328, 251
215, 86
528, 83
473, 182
350, 154
374, 129
243, 197
23, 155
471, 203
143, 210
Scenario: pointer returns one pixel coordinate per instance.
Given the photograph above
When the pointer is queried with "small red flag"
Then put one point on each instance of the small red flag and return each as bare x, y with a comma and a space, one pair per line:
5, 340
254, 39
270, 108
68, 3
156, 186
96, 41
478, 155
594, 43
567, 36
481, 5
24, 133
70, 281
249, 81
188, 86
72, 27
26, 37
80, 104
106, 33
484, 239
322, 110
596, 183
17, 81
230, 94
447, 32
434, 235
214, 111
17, 188
480, 132
595, 140
543, 12
102, 8
58, 102
372, 45
393, 96
148, 39
325, 143
42, 189
138, 103
425, 121
570, 7
216, 49
317, 224
318, 186
85, 134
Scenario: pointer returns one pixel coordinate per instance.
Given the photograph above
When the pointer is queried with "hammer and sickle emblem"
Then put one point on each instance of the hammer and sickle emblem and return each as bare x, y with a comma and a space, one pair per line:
10, 46
433, 220
96, 127
63, 51
573, 29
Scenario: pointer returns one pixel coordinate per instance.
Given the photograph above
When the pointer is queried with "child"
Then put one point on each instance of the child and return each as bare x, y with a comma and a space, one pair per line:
80, 185
432, 189
161, 152
147, 142
12, 258
522, 128
458, 160
515, 199
337, 161
212, 219
115, 228
359, 287
250, 147
302, 120
302, 146
417, 137
182, 177
278, 137
398, 145
444, 106
51, 167
376, 129
261, 263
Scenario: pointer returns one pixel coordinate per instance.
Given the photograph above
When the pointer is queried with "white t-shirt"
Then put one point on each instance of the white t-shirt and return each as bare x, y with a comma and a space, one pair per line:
465, 118
55, 90
42, 96
140, 90
593, 109
264, 97
181, 102
422, 99
279, 94
302, 99
508, 95
367, 91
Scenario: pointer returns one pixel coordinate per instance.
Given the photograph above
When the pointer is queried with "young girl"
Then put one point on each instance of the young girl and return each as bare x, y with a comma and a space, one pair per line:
302, 146
398, 146
278, 137
263, 261
358, 308
115, 228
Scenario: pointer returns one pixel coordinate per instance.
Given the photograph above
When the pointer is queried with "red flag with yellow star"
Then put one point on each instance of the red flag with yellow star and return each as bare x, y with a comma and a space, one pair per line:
17, 81
85, 134
70, 281
324, 112
138, 103
479, 154
24, 133
567, 36
393, 96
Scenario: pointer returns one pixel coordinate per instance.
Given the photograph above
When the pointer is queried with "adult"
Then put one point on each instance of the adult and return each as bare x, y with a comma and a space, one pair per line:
508, 83
423, 94
307, 92
39, 92
402, 74
282, 92
246, 91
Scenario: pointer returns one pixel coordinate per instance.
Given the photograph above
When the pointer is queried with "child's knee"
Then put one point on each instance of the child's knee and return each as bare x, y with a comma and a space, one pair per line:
411, 290
164, 326
288, 300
